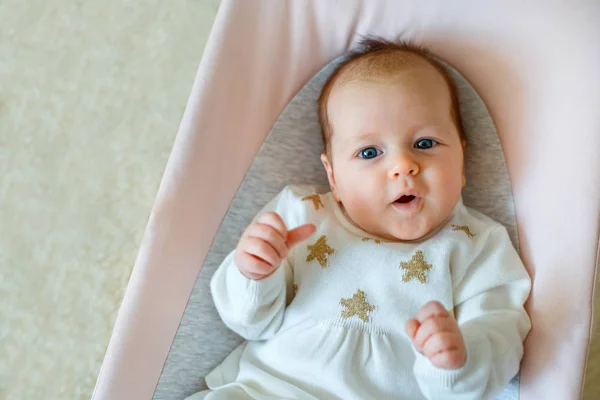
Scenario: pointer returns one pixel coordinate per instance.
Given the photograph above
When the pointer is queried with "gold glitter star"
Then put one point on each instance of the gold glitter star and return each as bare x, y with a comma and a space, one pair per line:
315, 199
319, 251
463, 228
367, 239
415, 268
357, 305
295, 289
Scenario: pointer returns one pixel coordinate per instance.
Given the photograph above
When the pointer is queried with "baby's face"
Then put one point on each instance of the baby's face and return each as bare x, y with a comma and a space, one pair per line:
396, 156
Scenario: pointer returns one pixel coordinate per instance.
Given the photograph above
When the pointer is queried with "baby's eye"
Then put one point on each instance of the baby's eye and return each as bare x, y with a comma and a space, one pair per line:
425, 144
369, 152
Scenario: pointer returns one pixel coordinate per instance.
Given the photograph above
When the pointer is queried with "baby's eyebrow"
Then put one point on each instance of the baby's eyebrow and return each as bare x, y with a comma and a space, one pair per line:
365, 136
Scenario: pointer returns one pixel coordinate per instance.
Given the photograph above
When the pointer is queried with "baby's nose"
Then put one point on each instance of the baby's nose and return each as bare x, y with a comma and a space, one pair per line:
403, 165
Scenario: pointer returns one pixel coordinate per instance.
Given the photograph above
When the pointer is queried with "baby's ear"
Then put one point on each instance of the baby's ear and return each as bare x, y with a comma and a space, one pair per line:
464, 175
330, 175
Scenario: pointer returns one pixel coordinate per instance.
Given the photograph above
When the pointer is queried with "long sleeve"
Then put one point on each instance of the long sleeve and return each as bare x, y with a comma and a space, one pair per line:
489, 293
253, 309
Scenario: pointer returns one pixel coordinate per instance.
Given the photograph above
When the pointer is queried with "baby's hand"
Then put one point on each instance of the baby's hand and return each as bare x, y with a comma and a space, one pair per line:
436, 335
266, 243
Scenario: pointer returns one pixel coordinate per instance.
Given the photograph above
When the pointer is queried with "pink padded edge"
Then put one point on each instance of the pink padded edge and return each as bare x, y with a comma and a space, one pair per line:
536, 67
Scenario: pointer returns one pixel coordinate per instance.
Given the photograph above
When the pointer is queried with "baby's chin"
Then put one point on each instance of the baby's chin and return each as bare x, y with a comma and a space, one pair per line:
396, 229
408, 231
407, 235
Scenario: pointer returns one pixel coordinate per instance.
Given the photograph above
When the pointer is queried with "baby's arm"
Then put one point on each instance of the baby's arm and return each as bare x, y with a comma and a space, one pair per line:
489, 294
249, 288
251, 308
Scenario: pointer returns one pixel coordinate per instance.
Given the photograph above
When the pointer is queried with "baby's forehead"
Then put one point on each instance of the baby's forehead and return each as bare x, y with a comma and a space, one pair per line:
381, 66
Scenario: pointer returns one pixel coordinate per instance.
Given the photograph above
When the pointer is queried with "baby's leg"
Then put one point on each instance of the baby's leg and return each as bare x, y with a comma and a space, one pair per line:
225, 392
198, 396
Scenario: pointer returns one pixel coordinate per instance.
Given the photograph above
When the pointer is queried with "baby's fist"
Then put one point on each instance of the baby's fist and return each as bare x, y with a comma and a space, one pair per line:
436, 335
266, 243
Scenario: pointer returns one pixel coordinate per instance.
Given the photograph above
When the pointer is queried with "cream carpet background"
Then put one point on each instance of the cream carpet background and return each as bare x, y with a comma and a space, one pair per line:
91, 95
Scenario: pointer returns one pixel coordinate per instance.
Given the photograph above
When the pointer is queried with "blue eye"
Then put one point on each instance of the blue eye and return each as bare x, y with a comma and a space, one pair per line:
369, 152
425, 144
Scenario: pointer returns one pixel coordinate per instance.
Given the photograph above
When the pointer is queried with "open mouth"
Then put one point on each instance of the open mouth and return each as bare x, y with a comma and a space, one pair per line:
405, 199
408, 203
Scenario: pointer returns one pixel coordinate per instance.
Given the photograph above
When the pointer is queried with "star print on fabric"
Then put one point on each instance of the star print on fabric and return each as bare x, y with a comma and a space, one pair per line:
357, 305
463, 228
319, 251
368, 239
316, 199
415, 268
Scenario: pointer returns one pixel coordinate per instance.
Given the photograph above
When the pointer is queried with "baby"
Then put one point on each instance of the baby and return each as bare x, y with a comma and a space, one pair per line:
386, 287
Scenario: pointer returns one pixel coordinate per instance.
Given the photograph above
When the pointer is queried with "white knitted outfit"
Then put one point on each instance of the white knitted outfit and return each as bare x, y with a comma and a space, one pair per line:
329, 323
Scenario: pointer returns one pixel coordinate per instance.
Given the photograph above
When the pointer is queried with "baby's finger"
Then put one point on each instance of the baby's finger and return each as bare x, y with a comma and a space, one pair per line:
252, 267
411, 327
263, 250
444, 341
432, 309
274, 220
451, 359
299, 234
431, 326
269, 235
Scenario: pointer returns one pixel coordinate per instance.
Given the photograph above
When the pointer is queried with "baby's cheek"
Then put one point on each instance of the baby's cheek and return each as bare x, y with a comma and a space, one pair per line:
362, 205
446, 185
362, 208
